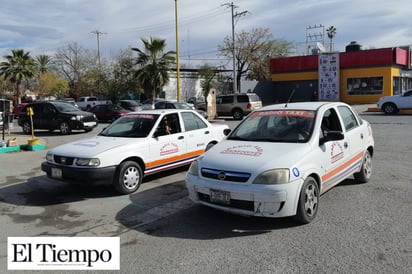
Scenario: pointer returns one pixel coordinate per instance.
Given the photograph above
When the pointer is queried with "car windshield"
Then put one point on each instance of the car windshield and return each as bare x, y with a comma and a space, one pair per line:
131, 126
290, 126
65, 107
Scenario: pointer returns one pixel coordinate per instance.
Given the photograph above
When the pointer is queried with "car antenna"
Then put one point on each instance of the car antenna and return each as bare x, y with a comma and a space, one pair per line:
290, 97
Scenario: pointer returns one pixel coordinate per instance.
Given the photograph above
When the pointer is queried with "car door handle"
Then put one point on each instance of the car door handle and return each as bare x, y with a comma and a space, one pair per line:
180, 138
207, 132
361, 135
345, 145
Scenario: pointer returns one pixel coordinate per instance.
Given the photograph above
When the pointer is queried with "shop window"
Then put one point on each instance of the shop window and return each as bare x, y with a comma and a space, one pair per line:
365, 85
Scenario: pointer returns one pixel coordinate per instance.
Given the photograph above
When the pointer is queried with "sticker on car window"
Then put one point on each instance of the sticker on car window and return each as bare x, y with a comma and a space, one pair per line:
281, 113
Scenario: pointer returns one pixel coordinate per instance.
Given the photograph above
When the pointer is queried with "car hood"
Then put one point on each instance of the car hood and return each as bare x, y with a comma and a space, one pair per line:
253, 156
92, 147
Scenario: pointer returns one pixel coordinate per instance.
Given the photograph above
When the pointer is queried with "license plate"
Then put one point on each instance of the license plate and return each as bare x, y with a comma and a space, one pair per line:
56, 173
219, 196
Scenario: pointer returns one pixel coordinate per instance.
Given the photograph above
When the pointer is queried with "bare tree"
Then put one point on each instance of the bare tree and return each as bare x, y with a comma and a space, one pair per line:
252, 50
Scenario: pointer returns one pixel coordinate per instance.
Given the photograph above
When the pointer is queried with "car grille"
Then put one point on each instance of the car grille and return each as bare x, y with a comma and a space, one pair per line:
89, 118
68, 161
239, 204
224, 175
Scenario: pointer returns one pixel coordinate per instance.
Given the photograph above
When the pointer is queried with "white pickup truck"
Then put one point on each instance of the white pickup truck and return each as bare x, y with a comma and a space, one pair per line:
87, 102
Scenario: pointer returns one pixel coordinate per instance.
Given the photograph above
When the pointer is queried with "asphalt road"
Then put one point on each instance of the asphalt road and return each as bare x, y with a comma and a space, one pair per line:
360, 228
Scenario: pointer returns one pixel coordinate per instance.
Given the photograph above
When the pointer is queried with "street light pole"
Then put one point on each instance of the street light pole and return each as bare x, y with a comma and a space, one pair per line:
233, 49
177, 55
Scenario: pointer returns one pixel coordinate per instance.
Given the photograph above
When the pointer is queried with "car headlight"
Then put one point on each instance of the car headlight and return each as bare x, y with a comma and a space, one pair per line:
77, 117
87, 162
273, 177
49, 157
194, 168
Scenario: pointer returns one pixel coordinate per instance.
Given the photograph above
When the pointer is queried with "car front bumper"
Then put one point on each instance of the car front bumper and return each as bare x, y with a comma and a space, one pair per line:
246, 199
103, 175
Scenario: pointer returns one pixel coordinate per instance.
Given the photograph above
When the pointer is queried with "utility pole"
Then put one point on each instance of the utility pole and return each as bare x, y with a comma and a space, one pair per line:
177, 55
234, 16
98, 33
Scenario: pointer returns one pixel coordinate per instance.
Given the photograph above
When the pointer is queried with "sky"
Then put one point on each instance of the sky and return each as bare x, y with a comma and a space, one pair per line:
44, 26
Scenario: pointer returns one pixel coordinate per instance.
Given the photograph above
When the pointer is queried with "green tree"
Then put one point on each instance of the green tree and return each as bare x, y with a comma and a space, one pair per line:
18, 67
44, 63
331, 32
252, 50
51, 85
154, 65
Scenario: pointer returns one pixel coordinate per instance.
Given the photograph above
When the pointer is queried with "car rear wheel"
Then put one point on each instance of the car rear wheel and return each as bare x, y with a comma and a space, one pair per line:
390, 108
65, 128
26, 127
365, 173
237, 114
128, 178
308, 201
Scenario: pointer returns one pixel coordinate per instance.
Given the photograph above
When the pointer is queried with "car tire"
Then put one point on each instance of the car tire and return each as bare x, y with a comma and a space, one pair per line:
390, 108
65, 128
308, 201
26, 127
365, 173
128, 177
237, 114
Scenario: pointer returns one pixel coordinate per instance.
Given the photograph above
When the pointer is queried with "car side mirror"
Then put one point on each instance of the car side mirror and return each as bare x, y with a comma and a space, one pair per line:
227, 131
331, 136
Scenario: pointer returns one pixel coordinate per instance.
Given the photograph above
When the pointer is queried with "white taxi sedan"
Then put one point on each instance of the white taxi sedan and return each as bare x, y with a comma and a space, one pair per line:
281, 158
135, 145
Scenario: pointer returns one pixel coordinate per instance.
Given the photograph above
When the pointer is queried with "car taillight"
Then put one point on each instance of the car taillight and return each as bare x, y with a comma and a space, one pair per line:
249, 106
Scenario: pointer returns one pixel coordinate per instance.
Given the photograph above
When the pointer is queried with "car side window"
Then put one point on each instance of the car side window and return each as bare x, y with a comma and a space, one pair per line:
169, 125
349, 119
226, 100
243, 99
192, 122
330, 121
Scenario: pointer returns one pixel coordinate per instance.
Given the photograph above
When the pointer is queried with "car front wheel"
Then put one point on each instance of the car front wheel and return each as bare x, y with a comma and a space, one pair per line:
365, 173
308, 201
128, 178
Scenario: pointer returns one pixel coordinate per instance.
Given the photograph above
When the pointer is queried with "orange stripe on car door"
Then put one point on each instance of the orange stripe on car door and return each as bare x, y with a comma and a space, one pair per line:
342, 167
174, 158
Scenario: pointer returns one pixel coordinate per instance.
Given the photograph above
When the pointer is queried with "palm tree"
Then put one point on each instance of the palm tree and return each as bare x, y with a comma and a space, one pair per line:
153, 66
331, 31
43, 63
18, 67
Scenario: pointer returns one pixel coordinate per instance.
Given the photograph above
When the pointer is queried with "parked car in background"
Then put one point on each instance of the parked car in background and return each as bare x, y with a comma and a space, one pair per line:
108, 112
87, 102
52, 115
237, 105
135, 145
149, 104
178, 105
17, 109
68, 100
131, 105
281, 158
198, 103
393, 104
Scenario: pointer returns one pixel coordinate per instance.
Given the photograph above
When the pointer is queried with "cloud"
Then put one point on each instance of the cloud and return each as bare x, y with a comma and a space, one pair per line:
46, 25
